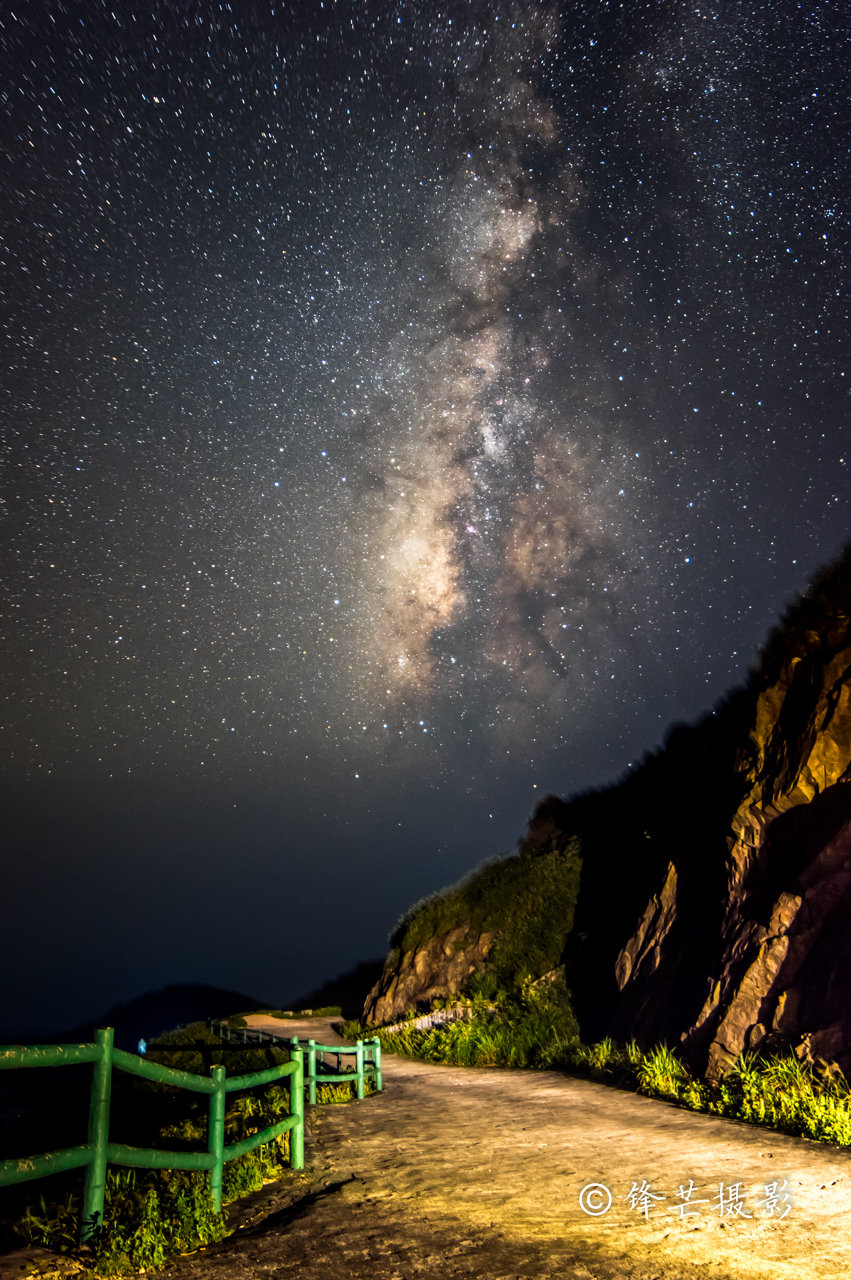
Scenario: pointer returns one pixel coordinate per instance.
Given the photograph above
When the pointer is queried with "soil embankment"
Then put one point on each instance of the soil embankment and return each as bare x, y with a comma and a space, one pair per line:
456, 1172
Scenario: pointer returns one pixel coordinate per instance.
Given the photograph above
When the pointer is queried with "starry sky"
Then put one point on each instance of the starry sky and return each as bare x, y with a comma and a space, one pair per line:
407, 409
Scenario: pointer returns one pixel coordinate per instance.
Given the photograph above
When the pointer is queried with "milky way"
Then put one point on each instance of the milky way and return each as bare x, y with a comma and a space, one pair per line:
407, 371
452, 392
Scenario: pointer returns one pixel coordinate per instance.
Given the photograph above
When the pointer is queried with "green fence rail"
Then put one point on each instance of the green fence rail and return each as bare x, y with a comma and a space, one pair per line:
97, 1152
365, 1056
367, 1064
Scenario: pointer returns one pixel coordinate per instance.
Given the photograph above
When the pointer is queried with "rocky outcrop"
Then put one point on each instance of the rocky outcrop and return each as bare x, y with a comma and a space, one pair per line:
789, 871
435, 970
714, 904
643, 951
503, 924
782, 965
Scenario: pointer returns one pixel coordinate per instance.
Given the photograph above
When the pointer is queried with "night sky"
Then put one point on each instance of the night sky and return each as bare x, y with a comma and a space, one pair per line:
407, 409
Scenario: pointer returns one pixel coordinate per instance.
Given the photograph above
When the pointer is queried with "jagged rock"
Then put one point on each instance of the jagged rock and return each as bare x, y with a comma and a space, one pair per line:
789, 877
792, 974
715, 896
777, 969
644, 948
439, 968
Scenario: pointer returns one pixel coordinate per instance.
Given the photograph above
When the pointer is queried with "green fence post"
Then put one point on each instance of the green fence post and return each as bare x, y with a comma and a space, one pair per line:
379, 1078
297, 1109
311, 1072
98, 1136
216, 1134
359, 1066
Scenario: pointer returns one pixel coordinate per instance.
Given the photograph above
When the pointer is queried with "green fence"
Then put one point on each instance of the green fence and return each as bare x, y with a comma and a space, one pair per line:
365, 1057
97, 1152
367, 1064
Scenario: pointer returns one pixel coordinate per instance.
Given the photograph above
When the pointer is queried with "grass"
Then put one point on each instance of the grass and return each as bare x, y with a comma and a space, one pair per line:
148, 1219
535, 1027
342, 1092
237, 1020
526, 901
151, 1216
783, 1093
778, 1091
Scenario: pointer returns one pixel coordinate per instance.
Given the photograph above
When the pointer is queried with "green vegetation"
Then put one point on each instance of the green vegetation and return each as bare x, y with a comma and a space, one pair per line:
148, 1218
526, 901
151, 1216
779, 1091
808, 623
535, 1027
337, 1093
237, 1020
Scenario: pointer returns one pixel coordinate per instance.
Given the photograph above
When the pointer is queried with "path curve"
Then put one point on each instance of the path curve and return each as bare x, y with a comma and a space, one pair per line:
476, 1173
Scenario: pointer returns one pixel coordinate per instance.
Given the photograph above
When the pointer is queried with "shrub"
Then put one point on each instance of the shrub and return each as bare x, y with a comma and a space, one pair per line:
779, 1092
527, 901
150, 1216
535, 1028
147, 1218
660, 1074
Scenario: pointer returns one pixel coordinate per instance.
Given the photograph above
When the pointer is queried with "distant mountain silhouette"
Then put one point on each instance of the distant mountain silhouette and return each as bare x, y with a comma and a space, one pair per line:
348, 989
151, 1014
146, 1017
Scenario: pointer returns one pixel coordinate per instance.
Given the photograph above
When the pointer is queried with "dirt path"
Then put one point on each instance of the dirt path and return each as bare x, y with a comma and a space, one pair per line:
458, 1172
476, 1174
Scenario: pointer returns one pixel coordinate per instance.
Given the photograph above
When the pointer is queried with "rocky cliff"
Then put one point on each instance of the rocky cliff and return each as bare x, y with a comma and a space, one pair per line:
439, 967
785, 937
509, 918
714, 904
742, 941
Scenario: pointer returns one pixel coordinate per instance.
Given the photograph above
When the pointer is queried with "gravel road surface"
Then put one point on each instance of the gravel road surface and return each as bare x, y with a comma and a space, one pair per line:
480, 1173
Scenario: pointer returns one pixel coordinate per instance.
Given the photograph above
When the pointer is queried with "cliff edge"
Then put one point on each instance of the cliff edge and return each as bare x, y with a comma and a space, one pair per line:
710, 898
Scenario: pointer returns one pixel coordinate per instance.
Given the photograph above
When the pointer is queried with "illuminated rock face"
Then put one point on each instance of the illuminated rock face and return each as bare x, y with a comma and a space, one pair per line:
714, 907
439, 968
778, 971
786, 963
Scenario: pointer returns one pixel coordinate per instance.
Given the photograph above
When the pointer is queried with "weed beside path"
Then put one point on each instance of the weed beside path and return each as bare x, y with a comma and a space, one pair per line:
477, 1172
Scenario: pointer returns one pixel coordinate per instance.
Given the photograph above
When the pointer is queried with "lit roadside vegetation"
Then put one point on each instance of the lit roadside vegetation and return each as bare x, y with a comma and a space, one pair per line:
535, 1030
525, 901
239, 1020
152, 1216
